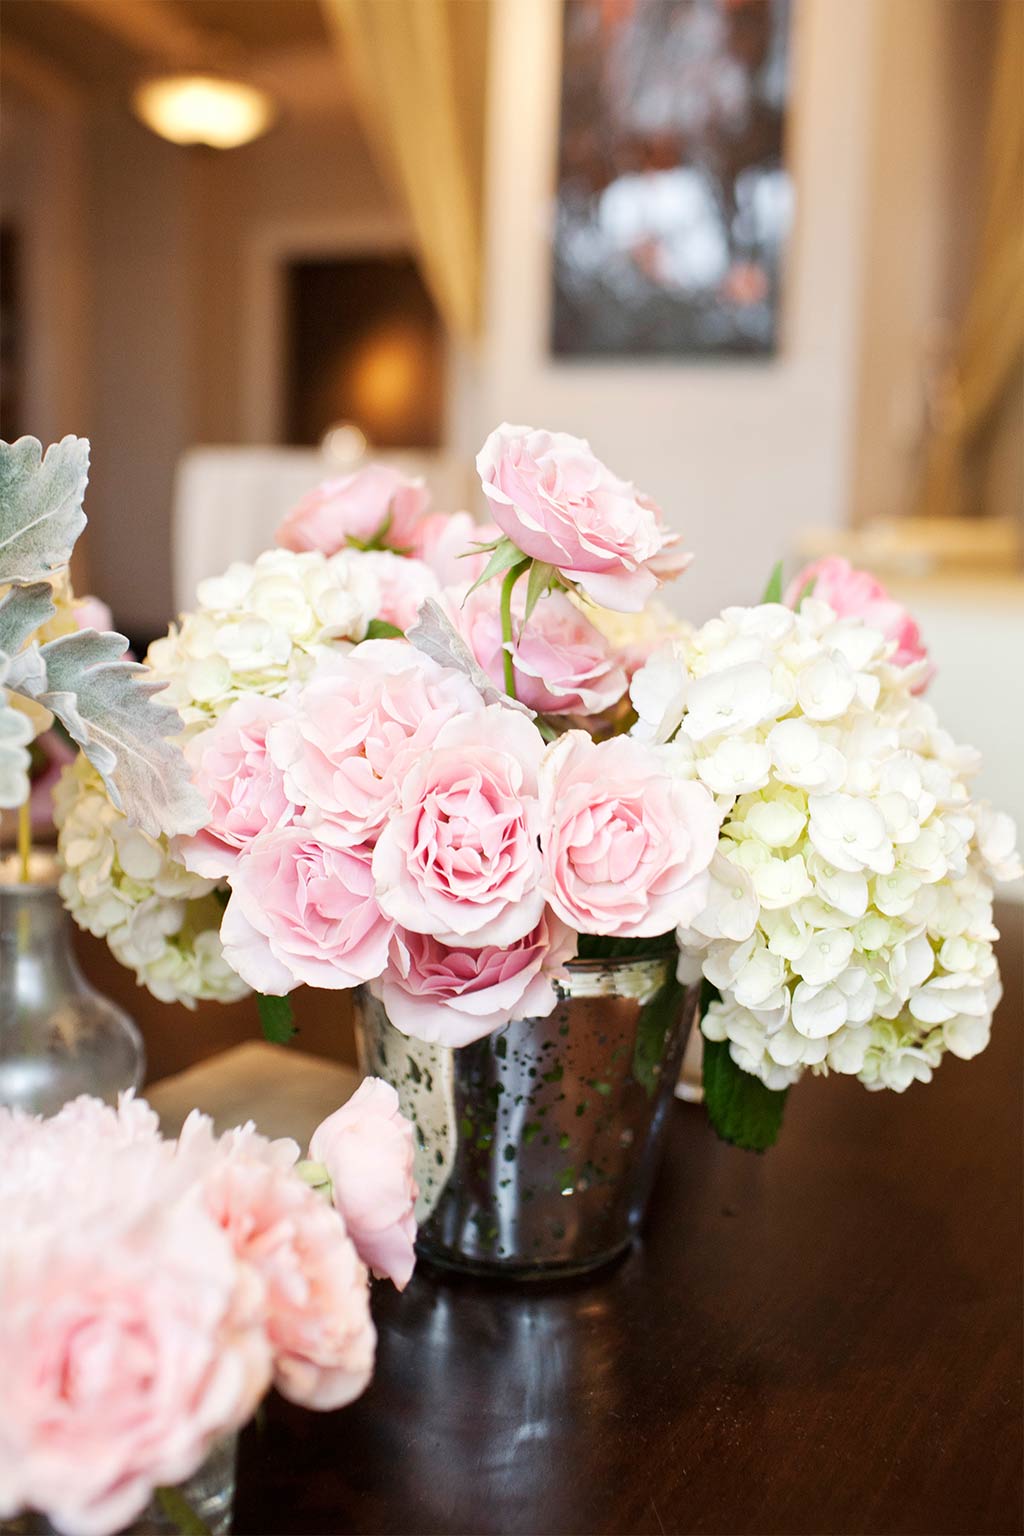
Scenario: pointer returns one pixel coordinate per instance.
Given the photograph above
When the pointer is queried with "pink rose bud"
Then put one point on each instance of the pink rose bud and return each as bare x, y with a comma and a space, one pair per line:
357, 507
853, 594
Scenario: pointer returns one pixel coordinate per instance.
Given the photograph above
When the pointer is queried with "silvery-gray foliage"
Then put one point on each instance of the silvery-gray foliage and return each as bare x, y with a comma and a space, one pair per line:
104, 702
41, 498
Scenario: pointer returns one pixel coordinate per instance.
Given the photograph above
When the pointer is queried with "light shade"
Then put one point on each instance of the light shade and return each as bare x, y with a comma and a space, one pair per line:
203, 109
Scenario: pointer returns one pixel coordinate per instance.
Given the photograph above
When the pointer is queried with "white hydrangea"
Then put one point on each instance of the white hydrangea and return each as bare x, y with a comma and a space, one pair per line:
849, 926
121, 885
261, 626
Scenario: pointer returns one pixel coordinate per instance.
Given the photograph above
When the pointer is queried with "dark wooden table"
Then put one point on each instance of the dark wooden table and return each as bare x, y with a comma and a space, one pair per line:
825, 1339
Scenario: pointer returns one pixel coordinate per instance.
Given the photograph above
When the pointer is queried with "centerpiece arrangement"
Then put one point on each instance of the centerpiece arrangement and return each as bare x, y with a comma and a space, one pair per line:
481, 777
152, 1291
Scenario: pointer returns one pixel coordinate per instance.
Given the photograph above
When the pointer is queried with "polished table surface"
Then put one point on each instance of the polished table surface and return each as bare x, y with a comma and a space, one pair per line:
824, 1339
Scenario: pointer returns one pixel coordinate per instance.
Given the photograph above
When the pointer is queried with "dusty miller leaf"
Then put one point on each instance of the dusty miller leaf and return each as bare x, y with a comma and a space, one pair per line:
40, 505
22, 611
435, 635
106, 706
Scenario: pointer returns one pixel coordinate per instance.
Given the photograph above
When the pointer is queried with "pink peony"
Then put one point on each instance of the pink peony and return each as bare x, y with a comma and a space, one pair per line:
458, 858
563, 665
559, 504
243, 788
366, 1147
339, 745
131, 1342
355, 509
404, 585
315, 1293
853, 594
445, 540
302, 912
626, 844
456, 996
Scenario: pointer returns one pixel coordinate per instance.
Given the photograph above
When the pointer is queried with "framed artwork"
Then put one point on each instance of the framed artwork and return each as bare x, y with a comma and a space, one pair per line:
673, 200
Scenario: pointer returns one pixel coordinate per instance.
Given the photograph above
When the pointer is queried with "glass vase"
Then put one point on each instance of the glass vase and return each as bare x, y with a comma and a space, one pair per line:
58, 1036
203, 1503
537, 1147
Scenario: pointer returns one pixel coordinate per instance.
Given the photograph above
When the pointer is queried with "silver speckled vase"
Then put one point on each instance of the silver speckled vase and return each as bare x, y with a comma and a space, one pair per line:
536, 1147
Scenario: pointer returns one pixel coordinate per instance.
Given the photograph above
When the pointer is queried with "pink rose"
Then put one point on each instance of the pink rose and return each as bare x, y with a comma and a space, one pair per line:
338, 746
355, 509
563, 665
130, 1344
404, 585
559, 504
456, 996
301, 912
316, 1297
626, 844
366, 1147
445, 540
93, 613
243, 788
458, 858
853, 594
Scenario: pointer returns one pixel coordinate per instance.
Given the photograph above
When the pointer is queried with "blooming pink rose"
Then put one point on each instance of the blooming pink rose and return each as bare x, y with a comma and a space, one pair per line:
315, 1291
458, 857
302, 912
559, 504
853, 594
445, 540
404, 585
456, 996
563, 665
626, 844
93, 613
338, 746
366, 1147
242, 786
130, 1345
356, 508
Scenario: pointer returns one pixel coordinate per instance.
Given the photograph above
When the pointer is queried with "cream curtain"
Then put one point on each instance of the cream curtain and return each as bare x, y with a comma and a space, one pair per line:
419, 71
990, 346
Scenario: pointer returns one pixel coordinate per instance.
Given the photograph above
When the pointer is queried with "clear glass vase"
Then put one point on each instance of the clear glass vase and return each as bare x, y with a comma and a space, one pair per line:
58, 1036
203, 1503
537, 1147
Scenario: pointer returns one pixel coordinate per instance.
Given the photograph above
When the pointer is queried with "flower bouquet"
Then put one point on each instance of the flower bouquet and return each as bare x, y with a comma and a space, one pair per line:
481, 777
151, 1292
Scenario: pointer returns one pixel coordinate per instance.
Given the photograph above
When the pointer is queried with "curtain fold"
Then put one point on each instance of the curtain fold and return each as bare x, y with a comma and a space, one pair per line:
418, 68
990, 345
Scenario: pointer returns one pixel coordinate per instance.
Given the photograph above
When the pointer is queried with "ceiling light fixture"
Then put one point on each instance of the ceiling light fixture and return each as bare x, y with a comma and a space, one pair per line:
203, 109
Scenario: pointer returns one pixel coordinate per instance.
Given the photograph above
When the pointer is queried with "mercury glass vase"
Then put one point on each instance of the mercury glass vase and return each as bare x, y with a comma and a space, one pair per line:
203, 1503
537, 1147
58, 1036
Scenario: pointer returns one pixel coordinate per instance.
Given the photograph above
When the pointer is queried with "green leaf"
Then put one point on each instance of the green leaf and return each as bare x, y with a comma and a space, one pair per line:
179, 1513
505, 557
773, 591
542, 577
276, 1018
656, 1020
380, 629
741, 1109
805, 591
40, 505
598, 946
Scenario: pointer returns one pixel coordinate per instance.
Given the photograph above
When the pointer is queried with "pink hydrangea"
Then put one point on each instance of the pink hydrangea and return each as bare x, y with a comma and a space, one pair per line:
374, 505
563, 665
857, 594
627, 845
242, 786
455, 996
339, 745
554, 499
366, 1147
301, 911
458, 857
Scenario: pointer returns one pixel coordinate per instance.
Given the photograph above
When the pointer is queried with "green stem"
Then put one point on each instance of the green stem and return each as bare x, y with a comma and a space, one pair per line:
178, 1512
506, 629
